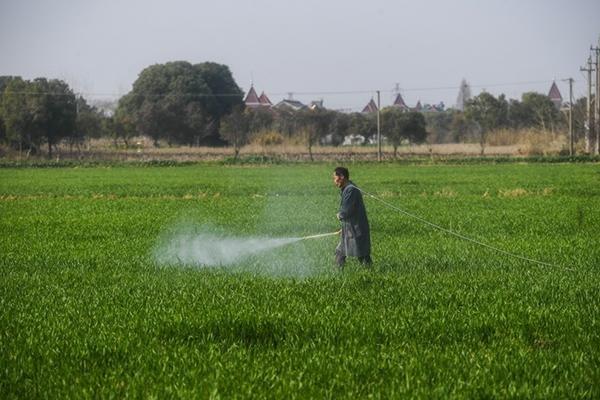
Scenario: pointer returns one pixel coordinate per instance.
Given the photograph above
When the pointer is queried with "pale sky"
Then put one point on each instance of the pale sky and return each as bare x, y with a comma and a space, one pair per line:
317, 47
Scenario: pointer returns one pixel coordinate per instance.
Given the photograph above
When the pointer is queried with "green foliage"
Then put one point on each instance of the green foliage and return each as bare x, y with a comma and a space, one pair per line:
363, 124
180, 102
259, 119
89, 123
398, 126
86, 312
235, 128
36, 111
540, 111
315, 125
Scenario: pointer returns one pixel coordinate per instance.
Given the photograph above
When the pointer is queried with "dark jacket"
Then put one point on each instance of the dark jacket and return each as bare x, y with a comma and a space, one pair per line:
356, 236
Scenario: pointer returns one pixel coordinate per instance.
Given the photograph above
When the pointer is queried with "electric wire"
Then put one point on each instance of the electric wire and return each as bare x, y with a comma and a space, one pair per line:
296, 93
461, 236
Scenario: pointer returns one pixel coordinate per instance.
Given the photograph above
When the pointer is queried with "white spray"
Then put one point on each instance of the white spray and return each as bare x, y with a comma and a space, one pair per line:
209, 250
205, 248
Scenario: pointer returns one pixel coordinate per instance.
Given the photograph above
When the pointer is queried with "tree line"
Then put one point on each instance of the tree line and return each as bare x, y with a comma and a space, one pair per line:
179, 103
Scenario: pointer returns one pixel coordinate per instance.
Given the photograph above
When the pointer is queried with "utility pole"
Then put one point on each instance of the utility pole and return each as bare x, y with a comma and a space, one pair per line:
596, 102
378, 126
588, 127
571, 146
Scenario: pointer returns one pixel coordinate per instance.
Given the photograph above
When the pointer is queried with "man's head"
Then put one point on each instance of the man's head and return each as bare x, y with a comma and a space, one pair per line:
341, 176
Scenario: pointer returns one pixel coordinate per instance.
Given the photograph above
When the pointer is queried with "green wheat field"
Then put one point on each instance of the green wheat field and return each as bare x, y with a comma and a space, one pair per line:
88, 308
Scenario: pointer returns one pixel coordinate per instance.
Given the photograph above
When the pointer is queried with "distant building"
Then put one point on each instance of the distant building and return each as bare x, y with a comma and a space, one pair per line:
464, 95
418, 107
428, 108
293, 105
254, 101
264, 100
353, 140
371, 107
555, 96
399, 103
316, 105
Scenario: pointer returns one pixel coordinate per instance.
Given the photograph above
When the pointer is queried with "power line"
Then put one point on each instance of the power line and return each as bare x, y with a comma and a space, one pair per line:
298, 93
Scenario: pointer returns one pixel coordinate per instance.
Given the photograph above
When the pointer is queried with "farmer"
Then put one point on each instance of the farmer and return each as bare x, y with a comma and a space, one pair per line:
355, 238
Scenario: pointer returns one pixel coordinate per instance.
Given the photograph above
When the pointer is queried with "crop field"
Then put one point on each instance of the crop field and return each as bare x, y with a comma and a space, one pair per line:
91, 307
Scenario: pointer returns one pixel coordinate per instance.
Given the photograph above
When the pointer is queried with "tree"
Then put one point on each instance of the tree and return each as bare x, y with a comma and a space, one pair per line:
364, 125
399, 126
259, 119
16, 116
340, 127
460, 127
286, 121
181, 102
391, 126
36, 111
316, 124
488, 113
235, 128
121, 126
545, 115
440, 125
53, 110
4, 81
415, 127
89, 124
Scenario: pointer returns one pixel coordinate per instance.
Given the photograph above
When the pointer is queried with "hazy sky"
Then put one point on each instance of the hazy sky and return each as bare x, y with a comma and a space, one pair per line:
308, 46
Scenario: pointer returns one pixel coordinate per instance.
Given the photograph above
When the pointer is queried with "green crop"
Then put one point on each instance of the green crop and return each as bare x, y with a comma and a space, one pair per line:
86, 310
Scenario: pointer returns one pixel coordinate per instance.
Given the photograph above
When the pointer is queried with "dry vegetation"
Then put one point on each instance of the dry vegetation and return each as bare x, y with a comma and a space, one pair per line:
498, 143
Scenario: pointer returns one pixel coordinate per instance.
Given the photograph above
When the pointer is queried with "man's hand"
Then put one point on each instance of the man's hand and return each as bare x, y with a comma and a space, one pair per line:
339, 216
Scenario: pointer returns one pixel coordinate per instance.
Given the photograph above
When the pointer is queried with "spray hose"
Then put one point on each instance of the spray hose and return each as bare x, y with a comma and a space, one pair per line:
319, 236
460, 235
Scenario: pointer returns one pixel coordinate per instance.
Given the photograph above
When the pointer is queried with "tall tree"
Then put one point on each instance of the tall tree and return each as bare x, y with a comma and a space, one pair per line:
316, 124
17, 117
181, 102
54, 110
4, 81
235, 128
487, 113
340, 127
399, 126
89, 124
364, 125
542, 109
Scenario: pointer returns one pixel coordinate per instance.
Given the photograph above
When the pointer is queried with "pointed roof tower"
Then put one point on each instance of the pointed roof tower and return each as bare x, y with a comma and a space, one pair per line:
418, 107
264, 100
370, 107
555, 95
252, 99
399, 102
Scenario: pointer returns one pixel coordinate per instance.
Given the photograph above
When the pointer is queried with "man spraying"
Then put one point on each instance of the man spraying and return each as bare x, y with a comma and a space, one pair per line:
355, 240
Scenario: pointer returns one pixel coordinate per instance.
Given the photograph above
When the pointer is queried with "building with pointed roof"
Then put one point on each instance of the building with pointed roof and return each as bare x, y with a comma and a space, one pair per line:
370, 107
399, 103
555, 95
252, 100
418, 107
264, 100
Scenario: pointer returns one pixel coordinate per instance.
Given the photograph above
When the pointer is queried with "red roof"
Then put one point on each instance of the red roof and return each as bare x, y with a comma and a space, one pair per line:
399, 102
264, 100
252, 99
554, 93
370, 107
